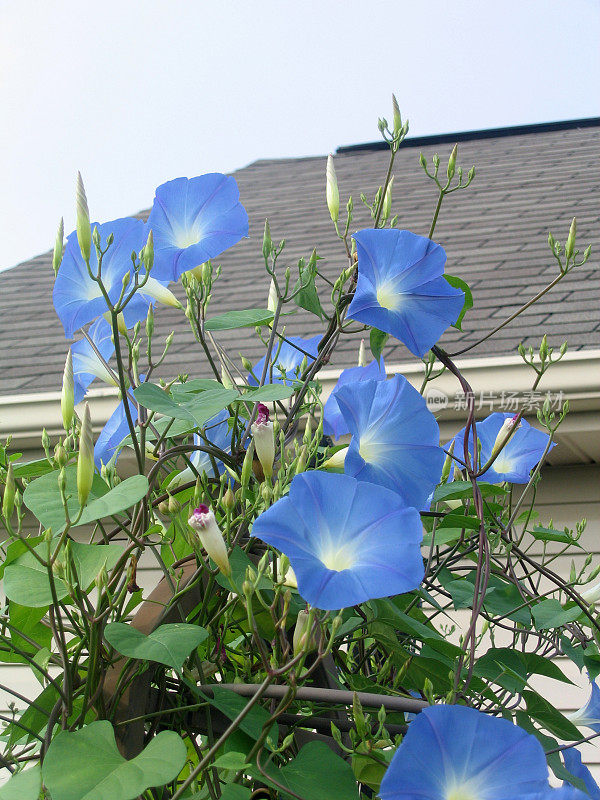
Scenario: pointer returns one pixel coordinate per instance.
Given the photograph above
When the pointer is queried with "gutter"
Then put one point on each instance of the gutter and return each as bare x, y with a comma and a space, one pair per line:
494, 380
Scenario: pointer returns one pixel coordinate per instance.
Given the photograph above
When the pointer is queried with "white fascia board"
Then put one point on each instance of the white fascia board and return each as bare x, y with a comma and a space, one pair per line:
576, 376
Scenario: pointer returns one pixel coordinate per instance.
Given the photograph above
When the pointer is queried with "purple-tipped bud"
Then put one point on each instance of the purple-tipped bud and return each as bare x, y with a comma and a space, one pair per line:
204, 523
264, 441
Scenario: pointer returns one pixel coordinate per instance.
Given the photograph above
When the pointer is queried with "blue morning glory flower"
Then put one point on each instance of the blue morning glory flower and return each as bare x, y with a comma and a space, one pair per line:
347, 541
86, 364
193, 221
78, 299
334, 423
289, 359
400, 287
589, 715
573, 763
395, 438
113, 433
523, 451
457, 753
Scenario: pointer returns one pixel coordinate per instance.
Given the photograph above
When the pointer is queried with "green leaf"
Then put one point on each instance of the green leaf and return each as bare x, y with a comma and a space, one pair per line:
444, 536
42, 497
453, 520
316, 773
457, 490
26, 580
156, 399
32, 469
308, 297
24, 785
548, 716
34, 717
503, 666
268, 393
550, 614
203, 406
231, 704
122, 497
458, 283
249, 318
86, 765
377, 340
538, 665
552, 535
27, 622
168, 644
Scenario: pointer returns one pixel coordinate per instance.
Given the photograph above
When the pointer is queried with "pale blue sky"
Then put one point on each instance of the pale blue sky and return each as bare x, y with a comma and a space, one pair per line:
136, 93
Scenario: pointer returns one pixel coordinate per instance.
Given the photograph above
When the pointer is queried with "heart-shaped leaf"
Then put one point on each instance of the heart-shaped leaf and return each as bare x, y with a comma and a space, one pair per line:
248, 318
43, 498
268, 393
123, 496
168, 644
86, 765
26, 580
24, 785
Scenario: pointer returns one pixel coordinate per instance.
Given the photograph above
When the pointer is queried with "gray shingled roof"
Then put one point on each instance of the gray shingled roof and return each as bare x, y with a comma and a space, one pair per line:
528, 181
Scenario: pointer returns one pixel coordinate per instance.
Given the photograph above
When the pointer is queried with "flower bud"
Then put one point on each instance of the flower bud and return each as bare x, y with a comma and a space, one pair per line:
264, 441
60, 455
205, 272
101, 579
507, 426
246, 364
204, 523
84, 231
543, 349
266, 493
302, 640
226, 378
67, 397
85, 459
332, 192
247, 466
362, 354
150, 322
386, 207
302, 459
397, 117
336, 461
163, 508
267, 244
173, 505
228, 500
8, 500
58, 247
452, 163
570, 244
422, 161
147, 254
272, 299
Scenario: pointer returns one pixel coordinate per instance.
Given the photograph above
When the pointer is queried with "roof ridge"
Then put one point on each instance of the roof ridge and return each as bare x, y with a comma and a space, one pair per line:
484, 133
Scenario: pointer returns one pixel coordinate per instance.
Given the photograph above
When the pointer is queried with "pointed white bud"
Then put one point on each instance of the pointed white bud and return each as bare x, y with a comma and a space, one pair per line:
85, 459
84, 231
67, 397
362, 354
264, 440
302, 641
336, 461
272, 300
332, 192
203, 522
386, 208
507, 426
